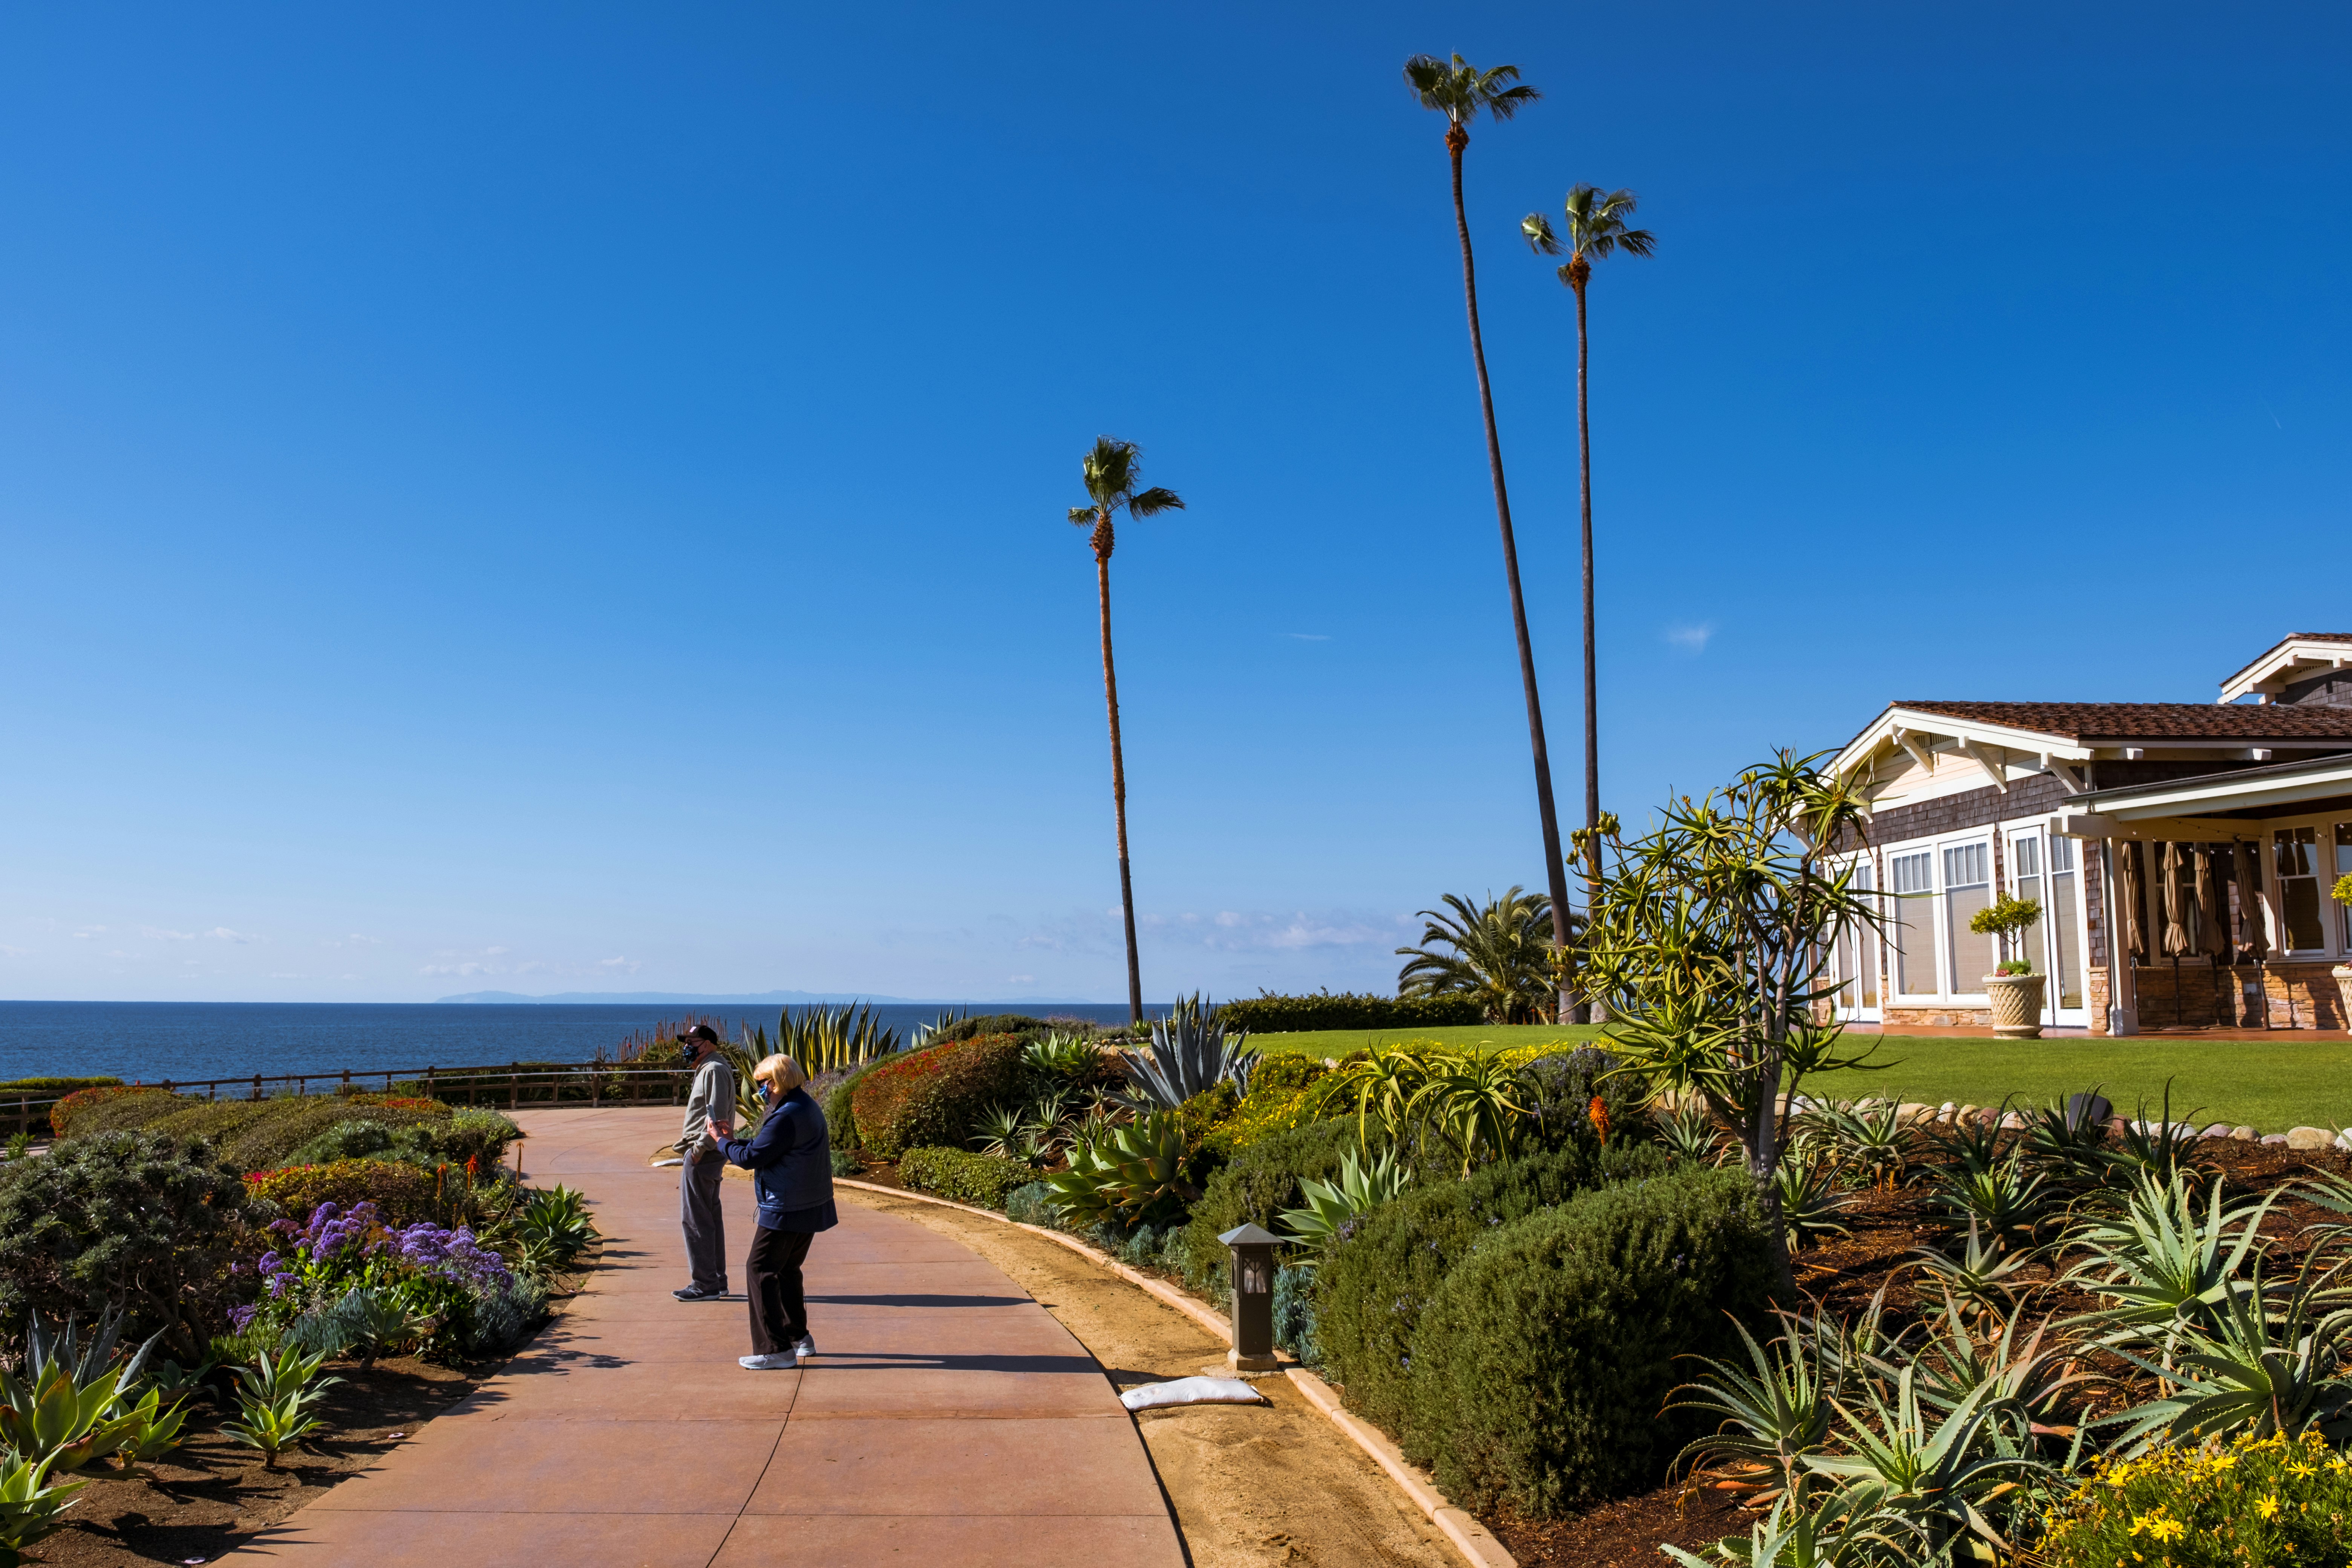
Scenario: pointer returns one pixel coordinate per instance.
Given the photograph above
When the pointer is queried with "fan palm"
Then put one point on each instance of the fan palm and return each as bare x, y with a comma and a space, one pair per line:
1596, 227
1496, 953
1111, 471
1461, 92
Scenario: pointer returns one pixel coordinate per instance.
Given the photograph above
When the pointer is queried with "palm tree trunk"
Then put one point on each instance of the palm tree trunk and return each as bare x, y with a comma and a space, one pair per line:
1591, 681
1119, 793
1555, 869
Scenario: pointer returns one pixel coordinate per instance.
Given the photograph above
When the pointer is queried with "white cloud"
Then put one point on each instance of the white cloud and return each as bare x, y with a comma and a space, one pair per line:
496, 952
366, 940
1690, 639
221, 933
1020, 979
87, 932
159, 933
1309, 637
469, 967
7, 951
619, 965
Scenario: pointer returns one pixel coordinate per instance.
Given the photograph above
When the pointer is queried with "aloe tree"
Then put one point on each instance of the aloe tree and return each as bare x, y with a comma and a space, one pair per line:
1461, 92
1596, 229
1111, 471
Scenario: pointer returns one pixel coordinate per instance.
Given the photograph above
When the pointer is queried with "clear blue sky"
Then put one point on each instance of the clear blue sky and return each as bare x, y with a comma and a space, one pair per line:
571, 497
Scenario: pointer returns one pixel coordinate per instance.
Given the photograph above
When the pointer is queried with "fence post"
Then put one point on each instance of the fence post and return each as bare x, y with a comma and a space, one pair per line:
592, 1076
24, 1113
429, 1083
347, 1081
514, 1089
256, 1086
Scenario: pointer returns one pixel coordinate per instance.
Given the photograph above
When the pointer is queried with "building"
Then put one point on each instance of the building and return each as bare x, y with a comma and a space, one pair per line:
2183, 852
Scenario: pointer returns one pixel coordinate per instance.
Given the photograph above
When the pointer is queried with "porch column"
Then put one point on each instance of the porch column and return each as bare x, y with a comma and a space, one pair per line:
2122, 986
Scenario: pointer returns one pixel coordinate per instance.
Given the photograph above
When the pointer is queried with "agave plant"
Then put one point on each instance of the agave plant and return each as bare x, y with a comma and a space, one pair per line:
1190, 1053
1810, 1204
1690, 1134
1061, 1057
1933, 1472
2162, 1149
2164, 1263
29, 1507
999, 1131
1134, 1175
272, 1426
2269, 1364
1773, 1412
1981, 1279
2003, 1196
1359, 1189
48, 1414
1875, 1143
2067, 1144
153, 1431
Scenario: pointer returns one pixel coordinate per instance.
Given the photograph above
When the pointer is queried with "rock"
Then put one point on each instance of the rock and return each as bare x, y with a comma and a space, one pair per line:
2309, 1137
2277, 1137
1966, 1114
1911, 1112
2218, 1129
2243, 1134
2014, 1121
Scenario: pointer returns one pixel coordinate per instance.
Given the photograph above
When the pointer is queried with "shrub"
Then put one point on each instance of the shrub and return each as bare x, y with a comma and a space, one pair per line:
918, 1099
1293, 1313
2260, 1504
128, 1218
840, 1113
1280, 1100
1260, 1182
979, 1179
1377, 1282
403, 1193
1561, 1088
112, 1108
1032, 1204
1267, 1013
56, 1085
1539, 1367
264, 1134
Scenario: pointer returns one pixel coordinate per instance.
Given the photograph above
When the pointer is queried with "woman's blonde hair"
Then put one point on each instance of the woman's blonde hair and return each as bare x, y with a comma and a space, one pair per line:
783, 1070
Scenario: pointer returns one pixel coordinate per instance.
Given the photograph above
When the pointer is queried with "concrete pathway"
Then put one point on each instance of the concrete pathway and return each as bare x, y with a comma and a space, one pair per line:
948, 1420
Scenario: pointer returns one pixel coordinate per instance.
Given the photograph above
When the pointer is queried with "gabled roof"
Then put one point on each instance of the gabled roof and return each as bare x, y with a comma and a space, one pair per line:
2086, 723
2295, 656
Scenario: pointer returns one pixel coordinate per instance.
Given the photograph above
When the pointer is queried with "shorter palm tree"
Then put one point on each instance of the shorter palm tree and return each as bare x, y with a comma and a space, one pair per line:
1500, 953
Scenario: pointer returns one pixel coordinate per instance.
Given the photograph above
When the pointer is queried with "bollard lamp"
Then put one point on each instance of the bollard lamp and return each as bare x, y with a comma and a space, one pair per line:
1254, 1265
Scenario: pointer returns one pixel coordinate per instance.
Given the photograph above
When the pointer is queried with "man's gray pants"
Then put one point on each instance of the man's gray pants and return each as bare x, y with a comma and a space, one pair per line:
705, 1227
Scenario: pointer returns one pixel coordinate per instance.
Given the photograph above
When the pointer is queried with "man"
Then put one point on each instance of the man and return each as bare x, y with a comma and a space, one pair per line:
710, 1102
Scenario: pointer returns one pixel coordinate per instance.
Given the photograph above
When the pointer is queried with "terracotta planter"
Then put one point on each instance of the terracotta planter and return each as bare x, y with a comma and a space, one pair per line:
2016, 1005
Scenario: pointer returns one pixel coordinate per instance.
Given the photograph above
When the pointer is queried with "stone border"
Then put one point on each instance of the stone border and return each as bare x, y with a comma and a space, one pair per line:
1476, 1544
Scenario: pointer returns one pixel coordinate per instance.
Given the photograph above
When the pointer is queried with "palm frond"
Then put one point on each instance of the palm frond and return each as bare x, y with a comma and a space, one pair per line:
1085, 516
1153, 500
1536, 229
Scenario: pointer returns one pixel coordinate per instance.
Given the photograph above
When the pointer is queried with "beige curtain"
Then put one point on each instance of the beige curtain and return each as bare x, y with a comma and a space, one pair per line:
2215, 928
2176, 936
2128, 897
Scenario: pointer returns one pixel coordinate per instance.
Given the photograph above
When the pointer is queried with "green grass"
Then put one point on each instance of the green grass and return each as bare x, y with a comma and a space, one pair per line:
2271, 1084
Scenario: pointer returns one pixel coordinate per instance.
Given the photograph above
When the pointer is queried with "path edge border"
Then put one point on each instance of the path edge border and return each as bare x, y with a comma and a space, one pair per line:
1476, 1544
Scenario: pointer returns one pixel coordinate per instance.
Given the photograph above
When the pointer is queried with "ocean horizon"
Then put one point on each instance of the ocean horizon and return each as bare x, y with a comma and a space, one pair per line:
191, 1041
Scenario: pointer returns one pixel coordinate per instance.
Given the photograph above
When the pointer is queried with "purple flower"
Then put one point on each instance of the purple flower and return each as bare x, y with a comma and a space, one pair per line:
241, 1318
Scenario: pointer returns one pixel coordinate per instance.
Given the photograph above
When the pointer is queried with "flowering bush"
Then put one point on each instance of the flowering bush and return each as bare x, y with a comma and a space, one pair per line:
2256, 1503
83, 1100
1281, 1099
933, 1098
436, 1276
402, 1193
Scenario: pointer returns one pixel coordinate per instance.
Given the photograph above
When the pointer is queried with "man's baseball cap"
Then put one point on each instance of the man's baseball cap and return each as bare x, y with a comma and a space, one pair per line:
701, 1032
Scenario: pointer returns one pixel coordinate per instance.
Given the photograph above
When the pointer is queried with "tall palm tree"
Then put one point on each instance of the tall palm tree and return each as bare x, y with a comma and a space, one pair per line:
1461, 92
1596, 227
1111, 471
1497, 956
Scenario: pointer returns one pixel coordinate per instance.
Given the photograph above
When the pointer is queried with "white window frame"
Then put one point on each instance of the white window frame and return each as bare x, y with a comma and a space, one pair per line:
2011, 831
1870, 938
2331, 914
1940, 924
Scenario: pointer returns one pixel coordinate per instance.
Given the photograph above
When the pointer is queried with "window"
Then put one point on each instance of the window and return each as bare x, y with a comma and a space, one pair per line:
2066, 924
2295, 857
1914, 925
1857, 956
2025, 873
1968, 888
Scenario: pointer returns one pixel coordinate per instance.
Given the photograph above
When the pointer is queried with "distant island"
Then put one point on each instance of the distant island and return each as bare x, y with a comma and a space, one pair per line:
761, 999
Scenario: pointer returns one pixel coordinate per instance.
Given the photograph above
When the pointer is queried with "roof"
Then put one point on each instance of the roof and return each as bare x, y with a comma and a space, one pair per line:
2288, 640
2080, 722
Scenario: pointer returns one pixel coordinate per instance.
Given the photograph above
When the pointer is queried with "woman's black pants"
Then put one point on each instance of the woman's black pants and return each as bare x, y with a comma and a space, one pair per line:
779, 1314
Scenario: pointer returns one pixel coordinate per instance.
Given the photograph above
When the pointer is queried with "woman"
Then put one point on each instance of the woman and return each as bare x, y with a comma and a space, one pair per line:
791, 1162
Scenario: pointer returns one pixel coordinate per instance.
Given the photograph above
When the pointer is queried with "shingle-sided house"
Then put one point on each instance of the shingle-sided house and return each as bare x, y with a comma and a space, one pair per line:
2182, 852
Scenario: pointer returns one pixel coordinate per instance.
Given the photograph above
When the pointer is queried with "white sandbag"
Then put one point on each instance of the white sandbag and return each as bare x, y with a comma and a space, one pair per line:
1192, 1390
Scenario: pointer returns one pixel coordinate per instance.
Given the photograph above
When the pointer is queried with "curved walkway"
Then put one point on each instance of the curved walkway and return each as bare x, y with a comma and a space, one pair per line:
948, 1418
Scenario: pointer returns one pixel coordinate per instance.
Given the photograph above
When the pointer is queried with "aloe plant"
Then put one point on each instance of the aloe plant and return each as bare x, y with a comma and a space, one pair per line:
2164, 1263
272, 1426
1190, 1053
2003, 1196
1981, 1278
1773, 1412
29, 1507
1810, 1204
1359, 1189
1935, 1472
2269, 1364
1061, 1056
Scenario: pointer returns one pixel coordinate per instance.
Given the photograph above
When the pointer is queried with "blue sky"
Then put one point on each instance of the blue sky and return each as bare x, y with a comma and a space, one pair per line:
570, 498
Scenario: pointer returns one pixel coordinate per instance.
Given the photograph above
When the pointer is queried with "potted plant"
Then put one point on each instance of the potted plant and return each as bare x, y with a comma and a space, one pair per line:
2342, 894
2015, 989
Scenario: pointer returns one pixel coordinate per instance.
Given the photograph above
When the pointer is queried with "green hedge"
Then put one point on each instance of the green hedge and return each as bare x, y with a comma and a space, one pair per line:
1259, 1184
1267, 1013
991, 1023
1560, 1091
982, 1180
403, 1194
1540, 1366
1371, 1291
114, 1108
931, 1097
840, 1108
56, 1085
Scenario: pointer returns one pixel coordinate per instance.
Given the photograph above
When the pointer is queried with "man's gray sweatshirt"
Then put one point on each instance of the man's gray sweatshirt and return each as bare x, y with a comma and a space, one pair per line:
711, 1098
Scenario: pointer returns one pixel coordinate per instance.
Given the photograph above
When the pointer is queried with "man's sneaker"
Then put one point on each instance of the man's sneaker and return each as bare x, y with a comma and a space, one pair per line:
699, 1293
776, 1362
805, 1348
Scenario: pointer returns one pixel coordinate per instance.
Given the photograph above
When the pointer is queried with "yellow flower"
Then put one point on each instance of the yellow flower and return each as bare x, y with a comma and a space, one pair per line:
2267, 1507
2301, 1472
2119, 1475
2167, 1529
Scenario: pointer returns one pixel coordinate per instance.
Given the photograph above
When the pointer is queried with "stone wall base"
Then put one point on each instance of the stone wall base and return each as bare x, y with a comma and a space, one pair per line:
1936, 1018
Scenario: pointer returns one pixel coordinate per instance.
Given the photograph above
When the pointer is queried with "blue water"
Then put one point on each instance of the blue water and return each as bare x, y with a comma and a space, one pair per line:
190, 1040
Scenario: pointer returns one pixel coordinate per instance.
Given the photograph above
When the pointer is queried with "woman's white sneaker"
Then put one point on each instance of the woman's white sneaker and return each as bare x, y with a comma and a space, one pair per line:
805, 1348
776, 1362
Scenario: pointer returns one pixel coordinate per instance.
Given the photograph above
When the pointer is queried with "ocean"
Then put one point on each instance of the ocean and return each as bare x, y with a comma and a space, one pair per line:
183, 1041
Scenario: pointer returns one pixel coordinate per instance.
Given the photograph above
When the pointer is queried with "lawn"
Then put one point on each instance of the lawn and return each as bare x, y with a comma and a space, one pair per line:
2271, 1084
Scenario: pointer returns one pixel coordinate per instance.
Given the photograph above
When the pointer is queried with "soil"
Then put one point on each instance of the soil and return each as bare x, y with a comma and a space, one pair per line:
212, 1494
1251, 1486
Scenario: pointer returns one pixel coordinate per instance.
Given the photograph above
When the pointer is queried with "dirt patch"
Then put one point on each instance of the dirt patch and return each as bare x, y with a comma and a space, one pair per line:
1251, 1486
